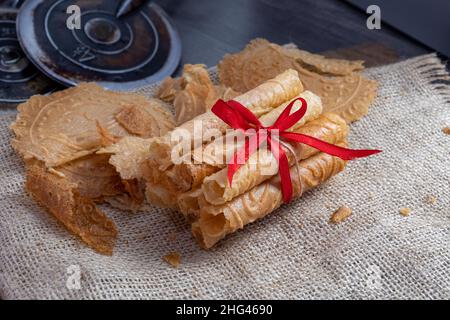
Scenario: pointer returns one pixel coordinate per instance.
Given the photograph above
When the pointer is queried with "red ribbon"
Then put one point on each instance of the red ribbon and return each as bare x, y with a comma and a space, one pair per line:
240, 118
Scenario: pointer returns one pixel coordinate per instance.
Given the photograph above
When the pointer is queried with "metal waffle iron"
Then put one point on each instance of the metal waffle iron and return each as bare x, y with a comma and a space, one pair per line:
121, 45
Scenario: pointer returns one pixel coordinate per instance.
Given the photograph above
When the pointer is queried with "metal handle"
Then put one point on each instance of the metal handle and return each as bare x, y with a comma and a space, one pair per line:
11, 3
127, 6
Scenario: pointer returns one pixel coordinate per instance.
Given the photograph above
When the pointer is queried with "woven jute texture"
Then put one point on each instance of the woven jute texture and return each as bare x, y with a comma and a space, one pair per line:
294, 253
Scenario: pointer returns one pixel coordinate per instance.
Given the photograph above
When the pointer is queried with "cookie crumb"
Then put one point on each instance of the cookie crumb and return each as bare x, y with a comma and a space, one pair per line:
172, 236
141, 236
173, 259
371, 195
405, 211
340, 214
431, 199
446, 130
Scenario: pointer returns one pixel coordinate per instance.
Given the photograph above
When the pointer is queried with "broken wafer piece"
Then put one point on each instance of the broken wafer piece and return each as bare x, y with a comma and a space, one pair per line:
320, 64
160, 196
225, 93
77, 213
189, 205
349, 95
128, 156
195, 93
152, 121
173, 259
405, 211
340, 214
197, 99
62, 127
131, 199
168, 89
94, 176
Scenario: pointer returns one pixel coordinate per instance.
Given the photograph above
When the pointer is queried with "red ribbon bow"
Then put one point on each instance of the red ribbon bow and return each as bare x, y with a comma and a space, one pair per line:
240, 118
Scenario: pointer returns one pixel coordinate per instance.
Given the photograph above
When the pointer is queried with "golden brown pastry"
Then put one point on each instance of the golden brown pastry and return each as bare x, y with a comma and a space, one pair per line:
94, 176
128, 156
62, 127
196, 95
259, 100
168, 89
320, 64
193, 93
188, 204
215, 222
262, 165
160, 196
216, 153
210, 158
348, 95
58, 137
152, 121
77, 213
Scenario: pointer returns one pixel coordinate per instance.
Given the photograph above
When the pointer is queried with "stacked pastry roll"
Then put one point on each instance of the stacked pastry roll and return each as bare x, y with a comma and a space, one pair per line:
197, 185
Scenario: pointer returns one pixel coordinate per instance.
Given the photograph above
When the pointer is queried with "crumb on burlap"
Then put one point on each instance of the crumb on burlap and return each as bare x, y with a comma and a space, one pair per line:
405, 211
341, 214
371, 195
430, 199
142, 236
173, 259
446, 130
172, 236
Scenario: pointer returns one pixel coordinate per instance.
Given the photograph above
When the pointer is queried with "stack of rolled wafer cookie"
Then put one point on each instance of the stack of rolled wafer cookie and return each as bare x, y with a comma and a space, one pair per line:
86, 145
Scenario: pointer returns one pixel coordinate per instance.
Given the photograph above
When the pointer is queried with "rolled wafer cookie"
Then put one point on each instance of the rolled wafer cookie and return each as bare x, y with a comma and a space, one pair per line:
160, 196
262, 165
214, 156
215, 222
259, 100
189, 205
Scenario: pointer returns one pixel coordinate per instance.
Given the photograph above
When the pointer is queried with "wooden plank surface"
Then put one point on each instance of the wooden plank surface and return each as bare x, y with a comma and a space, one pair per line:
211, 28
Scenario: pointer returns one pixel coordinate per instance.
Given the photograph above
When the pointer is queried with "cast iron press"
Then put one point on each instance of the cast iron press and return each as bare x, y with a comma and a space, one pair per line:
19, 79
120, 45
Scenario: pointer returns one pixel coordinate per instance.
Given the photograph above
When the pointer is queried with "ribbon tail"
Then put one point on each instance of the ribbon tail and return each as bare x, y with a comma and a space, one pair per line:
283, 169
343, 153
251, 145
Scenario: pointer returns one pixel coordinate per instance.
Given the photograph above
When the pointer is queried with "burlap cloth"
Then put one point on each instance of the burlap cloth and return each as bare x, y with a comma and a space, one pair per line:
293, 253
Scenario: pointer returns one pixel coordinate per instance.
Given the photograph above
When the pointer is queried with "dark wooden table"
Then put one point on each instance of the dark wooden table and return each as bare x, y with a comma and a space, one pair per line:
211, 28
